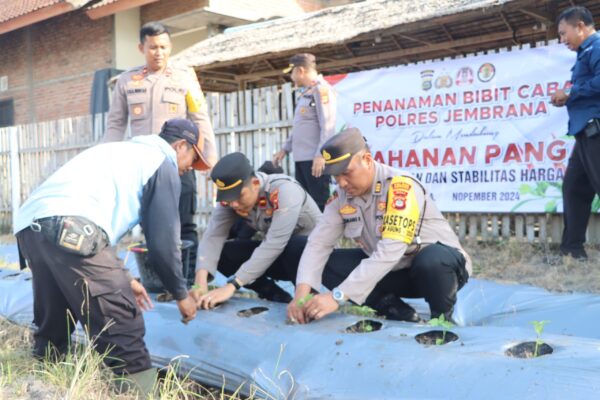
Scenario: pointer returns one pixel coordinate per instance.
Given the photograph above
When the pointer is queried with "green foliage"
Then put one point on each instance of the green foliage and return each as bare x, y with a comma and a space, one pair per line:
538, 191
538, 326
361, 311
442, 323
366, 326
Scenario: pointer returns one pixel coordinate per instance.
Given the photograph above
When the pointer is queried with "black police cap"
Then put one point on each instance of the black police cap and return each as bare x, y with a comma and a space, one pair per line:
340, 148
230, 174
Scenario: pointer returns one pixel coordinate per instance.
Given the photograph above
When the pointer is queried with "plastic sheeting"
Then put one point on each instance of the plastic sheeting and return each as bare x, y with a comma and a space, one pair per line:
320, 360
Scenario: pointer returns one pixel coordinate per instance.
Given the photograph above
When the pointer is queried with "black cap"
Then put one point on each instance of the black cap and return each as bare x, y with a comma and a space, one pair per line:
269, 168
301, 60
184, 129
340, 148
230, 174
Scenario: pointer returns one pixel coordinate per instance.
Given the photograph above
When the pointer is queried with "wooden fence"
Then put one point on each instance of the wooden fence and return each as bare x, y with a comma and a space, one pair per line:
255, 122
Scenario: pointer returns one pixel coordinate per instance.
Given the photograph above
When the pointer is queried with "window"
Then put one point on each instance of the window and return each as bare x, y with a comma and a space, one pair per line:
7, 113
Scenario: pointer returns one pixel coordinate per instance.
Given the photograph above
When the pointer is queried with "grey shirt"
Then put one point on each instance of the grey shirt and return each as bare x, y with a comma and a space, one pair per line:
385, 222
283, 209
314, 121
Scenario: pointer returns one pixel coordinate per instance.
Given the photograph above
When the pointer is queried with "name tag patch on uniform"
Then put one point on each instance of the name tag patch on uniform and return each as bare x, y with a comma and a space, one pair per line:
347, 210
402, 214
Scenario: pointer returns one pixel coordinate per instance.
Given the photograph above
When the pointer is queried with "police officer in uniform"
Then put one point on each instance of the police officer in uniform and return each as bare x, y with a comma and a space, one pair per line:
407, 249
151, 94
275, 205
67, 232
314, 123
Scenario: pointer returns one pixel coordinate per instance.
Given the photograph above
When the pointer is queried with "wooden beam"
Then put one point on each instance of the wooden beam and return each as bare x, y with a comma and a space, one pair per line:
269, 64
508, 25
396, 42
540, 15
396, 54
447, 32
414, 39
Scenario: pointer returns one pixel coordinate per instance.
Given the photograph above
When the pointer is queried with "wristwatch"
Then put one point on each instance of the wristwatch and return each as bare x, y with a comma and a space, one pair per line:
338, 296
233, 280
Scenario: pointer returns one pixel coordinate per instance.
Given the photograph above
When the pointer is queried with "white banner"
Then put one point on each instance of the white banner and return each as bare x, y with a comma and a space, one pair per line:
479, 132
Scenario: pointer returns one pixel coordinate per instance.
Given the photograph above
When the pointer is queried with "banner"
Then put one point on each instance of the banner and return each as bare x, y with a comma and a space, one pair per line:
479, 132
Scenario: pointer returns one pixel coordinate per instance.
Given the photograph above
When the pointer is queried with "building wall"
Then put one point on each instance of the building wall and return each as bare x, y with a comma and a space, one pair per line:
50, 65
167, 8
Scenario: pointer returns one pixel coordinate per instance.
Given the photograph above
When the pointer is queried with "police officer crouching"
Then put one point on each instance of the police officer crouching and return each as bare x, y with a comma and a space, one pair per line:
407, 249
275, 205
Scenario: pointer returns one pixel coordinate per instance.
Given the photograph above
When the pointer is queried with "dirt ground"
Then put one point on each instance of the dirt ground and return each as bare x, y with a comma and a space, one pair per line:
511, 262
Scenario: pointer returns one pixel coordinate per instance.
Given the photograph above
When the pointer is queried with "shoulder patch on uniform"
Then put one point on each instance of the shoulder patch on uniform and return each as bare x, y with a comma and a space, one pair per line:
274, 199
334, 196
402, 213
347, 210
324, 93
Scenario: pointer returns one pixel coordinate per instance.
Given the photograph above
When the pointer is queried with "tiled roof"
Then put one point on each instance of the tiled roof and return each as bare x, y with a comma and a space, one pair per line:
10, 9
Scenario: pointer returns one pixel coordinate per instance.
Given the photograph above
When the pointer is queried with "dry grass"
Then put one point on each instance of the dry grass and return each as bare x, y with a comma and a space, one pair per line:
514, 262
81, 375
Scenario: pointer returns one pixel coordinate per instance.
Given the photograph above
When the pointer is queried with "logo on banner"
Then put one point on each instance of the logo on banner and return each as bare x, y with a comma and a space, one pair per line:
427, 79
464, 76
486, 72
443, 82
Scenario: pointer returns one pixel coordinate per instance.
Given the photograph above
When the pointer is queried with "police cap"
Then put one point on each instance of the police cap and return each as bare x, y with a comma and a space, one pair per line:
230, 174
306, 60
339, 149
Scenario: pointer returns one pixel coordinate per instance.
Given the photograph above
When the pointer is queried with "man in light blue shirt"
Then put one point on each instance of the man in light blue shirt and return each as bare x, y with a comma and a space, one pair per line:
67, 231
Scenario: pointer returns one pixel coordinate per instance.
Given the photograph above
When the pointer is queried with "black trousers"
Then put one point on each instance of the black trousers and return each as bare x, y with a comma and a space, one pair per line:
581, 183
93, 290
317, 188
187, 210
285, 267
437, 273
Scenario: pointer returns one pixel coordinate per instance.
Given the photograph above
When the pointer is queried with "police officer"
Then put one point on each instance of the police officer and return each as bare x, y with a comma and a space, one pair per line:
67, 231
153, 93
275, 205
582, 177
407, 248
314, 123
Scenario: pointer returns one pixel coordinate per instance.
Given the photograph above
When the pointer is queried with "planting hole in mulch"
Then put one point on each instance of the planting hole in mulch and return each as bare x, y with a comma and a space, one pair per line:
364, 326
436, 337
527, 350
251, 311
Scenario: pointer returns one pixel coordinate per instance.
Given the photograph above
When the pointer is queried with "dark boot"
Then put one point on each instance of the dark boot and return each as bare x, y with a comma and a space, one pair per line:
393, 308
267, 289
447, 315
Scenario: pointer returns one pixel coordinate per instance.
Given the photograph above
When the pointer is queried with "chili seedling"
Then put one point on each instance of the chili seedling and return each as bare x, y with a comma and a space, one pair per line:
442, 323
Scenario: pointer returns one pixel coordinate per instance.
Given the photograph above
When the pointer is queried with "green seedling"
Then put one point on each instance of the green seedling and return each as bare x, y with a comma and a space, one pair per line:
366, 326
442, 323
539, 328
304, 300
361, 311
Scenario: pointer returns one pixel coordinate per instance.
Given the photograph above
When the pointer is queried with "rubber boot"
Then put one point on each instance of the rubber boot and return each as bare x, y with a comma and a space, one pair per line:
393, 308
269, 290
142, 383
